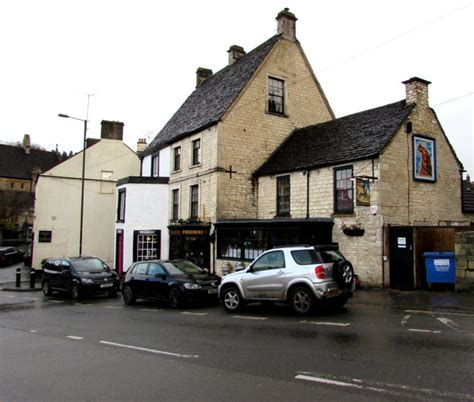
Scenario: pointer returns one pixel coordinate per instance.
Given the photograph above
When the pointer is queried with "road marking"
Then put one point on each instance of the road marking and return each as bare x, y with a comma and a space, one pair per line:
439, 313
113, 307
247, 317
82, 304
32, 298
386, 388
151, 309
120, 345
448, 322
405, 319
428, 331
192, 313
75, 338
336, 324
56, 301
33, 331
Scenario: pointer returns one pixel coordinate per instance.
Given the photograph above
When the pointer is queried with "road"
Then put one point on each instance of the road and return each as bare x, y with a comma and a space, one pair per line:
99, 349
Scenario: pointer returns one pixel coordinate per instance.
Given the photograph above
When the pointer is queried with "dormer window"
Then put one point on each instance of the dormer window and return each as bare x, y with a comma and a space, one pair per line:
276, 96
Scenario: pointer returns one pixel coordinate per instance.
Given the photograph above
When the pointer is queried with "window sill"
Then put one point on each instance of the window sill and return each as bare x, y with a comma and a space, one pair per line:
282, 216
343, 214
195, 166
277, 114
176, 171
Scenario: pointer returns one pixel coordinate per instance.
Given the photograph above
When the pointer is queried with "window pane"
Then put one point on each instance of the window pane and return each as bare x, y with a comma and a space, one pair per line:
344, 192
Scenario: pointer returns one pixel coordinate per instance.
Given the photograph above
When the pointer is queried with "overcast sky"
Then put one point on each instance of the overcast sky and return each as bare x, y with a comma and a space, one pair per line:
138, 59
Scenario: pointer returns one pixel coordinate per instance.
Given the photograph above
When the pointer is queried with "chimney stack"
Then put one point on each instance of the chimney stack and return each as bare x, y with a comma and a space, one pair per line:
141, 145
417, 91
111, 130
235, 53
26, 143
286, 26
202, 74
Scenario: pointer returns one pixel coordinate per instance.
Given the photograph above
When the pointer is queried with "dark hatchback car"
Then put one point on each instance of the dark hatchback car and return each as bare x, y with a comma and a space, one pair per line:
176, 281
79, 276
10, 255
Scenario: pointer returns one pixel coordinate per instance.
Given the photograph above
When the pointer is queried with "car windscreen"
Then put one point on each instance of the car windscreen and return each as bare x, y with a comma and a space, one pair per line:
90, 264
306, 257
180, 267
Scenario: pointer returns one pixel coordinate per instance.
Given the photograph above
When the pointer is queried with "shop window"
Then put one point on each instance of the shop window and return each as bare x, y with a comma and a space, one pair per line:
343, 192
147, 245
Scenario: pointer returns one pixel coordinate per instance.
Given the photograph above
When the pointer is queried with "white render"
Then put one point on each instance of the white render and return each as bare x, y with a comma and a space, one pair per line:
58, 198
146, 208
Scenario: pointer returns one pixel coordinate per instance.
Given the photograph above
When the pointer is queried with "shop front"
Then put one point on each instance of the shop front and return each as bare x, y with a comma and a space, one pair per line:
191, 242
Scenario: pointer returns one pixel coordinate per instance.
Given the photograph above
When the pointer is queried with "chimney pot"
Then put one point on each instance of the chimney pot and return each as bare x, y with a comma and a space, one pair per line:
141, 145
235, 53
202, 74
417, 91
26, 143
111, 130
286, 26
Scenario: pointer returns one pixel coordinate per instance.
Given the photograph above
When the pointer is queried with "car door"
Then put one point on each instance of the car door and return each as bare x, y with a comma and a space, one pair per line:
65, 274
265, 279
138, 279
156, 281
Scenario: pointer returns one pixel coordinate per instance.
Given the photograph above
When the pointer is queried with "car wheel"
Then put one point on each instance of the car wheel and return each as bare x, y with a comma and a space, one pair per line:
231, 299
175, 299
128, 295
75, 291
46, 288
301, 300
343, 274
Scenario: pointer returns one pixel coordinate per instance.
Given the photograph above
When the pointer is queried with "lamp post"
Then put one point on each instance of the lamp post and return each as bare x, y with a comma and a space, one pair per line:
82, 177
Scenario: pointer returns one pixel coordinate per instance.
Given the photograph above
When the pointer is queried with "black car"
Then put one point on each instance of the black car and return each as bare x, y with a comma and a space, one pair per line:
175, 281
10, 255
79, 276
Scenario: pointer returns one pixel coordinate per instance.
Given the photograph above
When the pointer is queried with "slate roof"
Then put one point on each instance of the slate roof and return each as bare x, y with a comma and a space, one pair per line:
208, 103
358, 136
468, 197
16, 164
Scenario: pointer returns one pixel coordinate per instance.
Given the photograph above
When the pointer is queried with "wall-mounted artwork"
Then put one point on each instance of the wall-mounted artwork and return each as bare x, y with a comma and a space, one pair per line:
424, 159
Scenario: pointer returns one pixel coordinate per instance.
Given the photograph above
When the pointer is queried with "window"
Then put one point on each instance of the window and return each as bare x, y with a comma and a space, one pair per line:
156, 269
272, 260
276, 98
155, 166
283, 196
175, 201
121, 206
194, 190
44, 236
147, 245
140, 269
177, 158
196, 144
343, 193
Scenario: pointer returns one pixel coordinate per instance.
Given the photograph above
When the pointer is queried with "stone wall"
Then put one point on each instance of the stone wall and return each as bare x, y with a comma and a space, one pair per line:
249, 134
464, 249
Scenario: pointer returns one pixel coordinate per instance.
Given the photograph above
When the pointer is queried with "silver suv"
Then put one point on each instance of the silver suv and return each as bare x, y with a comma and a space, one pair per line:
300, 275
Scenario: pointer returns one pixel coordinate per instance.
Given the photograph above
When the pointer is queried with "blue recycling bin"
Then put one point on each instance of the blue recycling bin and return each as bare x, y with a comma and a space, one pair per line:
440, 267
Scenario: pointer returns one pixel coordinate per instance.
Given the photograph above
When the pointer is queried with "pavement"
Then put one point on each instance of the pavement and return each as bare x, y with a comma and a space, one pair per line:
423, 300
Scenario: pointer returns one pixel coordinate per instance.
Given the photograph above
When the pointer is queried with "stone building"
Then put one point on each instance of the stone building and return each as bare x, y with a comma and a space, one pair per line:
258, 160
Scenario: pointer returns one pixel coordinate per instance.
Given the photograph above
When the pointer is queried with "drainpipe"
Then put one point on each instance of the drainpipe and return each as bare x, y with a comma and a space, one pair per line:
307, 194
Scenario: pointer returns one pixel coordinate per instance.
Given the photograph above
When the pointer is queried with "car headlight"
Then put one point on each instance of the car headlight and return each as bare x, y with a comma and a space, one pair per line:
87, 280
194, 286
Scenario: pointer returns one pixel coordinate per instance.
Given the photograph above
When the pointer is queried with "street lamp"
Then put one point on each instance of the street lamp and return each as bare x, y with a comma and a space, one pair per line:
82, 177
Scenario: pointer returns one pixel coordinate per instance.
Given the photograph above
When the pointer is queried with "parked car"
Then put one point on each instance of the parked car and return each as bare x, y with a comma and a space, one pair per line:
176, 281
10, 255
299, 275
79, 276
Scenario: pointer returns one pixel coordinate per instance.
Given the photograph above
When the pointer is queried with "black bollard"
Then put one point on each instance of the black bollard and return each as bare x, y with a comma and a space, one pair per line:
18, 277
32, 278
